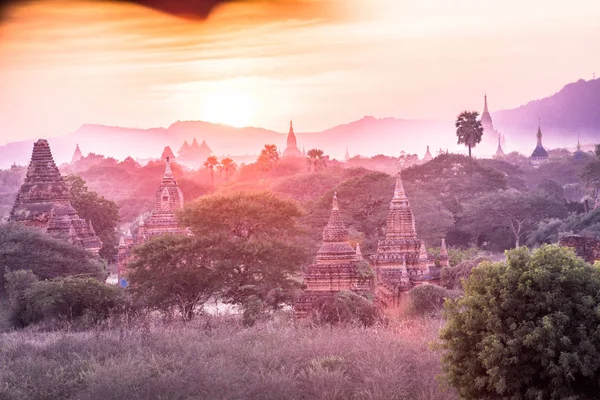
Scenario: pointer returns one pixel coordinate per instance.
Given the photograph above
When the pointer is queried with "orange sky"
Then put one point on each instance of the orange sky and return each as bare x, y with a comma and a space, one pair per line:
66, 63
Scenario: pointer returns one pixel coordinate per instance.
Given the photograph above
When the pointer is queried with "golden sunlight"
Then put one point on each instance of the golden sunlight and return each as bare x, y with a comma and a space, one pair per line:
229, 106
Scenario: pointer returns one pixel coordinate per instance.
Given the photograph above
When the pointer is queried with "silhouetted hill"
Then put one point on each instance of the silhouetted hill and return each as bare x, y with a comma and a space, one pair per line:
574, 110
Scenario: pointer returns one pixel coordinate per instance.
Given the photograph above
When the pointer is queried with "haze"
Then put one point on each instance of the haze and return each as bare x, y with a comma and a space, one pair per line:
64, 64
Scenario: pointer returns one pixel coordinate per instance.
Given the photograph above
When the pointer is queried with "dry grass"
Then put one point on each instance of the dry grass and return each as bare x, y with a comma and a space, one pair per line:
216, 358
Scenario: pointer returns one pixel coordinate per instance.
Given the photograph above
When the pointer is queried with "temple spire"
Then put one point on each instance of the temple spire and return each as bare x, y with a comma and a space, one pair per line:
485, 106
399, 193
334, 205
291, 127
358, 252
539, 133
168, 172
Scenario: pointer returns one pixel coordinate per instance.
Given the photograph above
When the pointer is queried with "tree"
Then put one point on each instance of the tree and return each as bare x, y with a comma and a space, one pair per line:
315, 159
24, 248
174, 272
469, 129
210, 164
103, 213
517, 212
526, 329
228, 167
267, 159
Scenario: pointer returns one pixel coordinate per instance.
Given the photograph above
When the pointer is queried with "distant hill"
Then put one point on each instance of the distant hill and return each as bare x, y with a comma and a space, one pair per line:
574, 110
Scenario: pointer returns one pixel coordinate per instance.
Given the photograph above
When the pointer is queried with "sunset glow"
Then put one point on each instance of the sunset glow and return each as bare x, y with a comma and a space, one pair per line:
320, 63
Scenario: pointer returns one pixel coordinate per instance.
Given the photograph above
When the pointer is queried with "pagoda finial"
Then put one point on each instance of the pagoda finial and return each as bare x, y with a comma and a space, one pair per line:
399, 192
539, 132
485, 106
168, 172
291, 127
578, 144
335, 206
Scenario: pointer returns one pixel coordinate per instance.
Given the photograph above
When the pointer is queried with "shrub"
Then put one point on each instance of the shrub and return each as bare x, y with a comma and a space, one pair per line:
526, 328
452, 276
346, 307
428, 298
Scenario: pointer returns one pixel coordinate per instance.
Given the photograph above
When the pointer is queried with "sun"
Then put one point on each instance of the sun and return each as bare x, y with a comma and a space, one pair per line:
228, 106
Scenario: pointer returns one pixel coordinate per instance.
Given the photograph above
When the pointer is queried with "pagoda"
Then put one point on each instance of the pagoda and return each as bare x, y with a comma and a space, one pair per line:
291, 149
168, 200
499, 151
167, 154
401, 260
43, 201
346, 157
338, 267
539, 155
427, 157
578, 155
194, 154
77, 155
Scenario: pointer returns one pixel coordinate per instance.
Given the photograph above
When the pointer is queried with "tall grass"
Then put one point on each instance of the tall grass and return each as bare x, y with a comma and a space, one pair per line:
216, 358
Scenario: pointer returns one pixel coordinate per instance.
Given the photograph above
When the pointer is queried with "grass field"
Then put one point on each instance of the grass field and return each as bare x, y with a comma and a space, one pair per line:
216, 358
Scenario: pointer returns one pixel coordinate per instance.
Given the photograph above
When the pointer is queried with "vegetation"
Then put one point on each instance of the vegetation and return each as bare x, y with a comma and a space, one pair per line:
469, 129
346, 307
428, 299
216, 358
527, 328
23, 248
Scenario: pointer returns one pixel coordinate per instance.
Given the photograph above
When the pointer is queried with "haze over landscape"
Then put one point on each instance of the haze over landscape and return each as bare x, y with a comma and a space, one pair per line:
64, 64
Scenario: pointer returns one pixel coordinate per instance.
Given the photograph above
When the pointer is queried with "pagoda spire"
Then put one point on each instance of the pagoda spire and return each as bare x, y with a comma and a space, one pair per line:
168, 172
291, 127
485, 106
399, 193
578, 144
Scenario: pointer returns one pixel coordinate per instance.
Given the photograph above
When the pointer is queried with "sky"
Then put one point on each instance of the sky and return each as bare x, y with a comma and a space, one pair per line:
318, 62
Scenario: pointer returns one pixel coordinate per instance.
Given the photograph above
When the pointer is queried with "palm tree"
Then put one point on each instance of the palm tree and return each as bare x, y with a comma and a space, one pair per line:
211, 163
268, 158
469, 129
315, 159
228, 167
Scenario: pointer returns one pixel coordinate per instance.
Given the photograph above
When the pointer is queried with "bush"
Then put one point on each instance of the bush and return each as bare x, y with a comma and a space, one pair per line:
428, 298
452, 276
346, 307
526, 328
63, 299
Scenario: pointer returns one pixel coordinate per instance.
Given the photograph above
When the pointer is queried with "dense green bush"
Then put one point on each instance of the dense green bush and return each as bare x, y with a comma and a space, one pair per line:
526, 328
66, 299
346, 307
428, 298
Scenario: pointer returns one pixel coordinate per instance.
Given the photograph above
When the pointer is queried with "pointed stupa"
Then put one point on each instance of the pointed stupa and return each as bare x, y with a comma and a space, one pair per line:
184, 149
44, 201
347, 156
77, 155
539, 154
427, 157
194, 144
578, 155
486, 118
499, 151
336, 269
168, 200
167, 154
400, 221
291, 149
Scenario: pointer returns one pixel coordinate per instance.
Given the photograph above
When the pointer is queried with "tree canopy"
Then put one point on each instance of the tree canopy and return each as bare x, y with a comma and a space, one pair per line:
526, 329
469, 129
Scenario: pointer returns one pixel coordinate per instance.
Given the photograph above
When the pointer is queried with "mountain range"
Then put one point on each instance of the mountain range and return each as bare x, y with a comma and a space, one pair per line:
573, 111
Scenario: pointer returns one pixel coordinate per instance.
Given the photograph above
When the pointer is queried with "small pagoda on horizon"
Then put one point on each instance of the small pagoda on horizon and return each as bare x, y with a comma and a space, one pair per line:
77, 155
43, 201
539, 155
193, 154
291, 149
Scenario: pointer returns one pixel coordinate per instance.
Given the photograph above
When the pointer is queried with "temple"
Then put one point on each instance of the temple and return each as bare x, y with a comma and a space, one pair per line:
291, 149
499, 151
167, 154
43, 201
427, 157
347, 155
539, 155
168, 200
77, 155
578, 155
194, 154
401, 260
488, 126
338, 267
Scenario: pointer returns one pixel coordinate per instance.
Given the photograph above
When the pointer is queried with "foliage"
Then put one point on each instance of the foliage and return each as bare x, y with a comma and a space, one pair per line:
316, 160
23, 248
103, 213
62, 298
517, 212
551, 230
268, 158
527, 328
243, 215
216, 358
453, 276
427, 299
210, 164
227, 166
174, 272
346, 307
468, 129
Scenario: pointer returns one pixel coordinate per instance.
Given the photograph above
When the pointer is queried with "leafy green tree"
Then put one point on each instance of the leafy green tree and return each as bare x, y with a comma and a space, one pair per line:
517, 212
24, 248
210, 164
103, 213
552, 189
526, 329
469, 129
175, 272
315, 159
346, 307
427, 299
